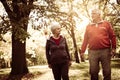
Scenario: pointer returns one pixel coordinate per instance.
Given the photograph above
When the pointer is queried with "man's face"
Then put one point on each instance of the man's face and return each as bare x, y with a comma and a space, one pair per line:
95, 15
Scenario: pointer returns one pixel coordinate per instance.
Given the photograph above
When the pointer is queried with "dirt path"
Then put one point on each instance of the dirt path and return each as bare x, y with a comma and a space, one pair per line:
76, 72
46, 76
49, 76
47, 73
80, 73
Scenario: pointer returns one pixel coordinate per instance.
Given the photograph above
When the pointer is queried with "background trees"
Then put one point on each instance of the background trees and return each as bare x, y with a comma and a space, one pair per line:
18, 13
71, 14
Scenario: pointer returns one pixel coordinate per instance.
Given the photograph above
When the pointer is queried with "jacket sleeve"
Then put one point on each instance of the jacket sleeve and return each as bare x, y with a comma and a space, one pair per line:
48, 51
67, 50
112, 36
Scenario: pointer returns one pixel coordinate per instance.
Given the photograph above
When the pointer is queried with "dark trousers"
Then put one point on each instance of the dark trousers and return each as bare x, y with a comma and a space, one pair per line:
60, 71
96, 57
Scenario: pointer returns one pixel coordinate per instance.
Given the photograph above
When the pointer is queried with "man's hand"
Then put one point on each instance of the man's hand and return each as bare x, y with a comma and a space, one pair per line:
113, 52
82, 57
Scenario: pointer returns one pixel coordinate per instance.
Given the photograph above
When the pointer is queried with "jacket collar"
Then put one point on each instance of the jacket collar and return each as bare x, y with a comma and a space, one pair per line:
62, 38
97, 22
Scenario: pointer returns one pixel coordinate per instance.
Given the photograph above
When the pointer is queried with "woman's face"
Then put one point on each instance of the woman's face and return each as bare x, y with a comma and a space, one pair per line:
57, 31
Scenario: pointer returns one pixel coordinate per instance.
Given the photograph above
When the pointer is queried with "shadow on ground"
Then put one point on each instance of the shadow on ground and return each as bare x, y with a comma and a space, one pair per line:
77, 72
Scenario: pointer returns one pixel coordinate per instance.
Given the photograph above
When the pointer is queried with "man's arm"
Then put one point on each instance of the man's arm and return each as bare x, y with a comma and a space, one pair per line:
112, 37
84, 45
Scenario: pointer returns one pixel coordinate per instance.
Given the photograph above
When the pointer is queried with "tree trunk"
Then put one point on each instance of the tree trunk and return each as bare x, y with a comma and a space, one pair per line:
18, 64
75, 47
18, 11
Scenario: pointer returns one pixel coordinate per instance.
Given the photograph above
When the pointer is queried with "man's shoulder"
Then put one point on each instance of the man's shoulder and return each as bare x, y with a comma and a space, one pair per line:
105, 21
89, 25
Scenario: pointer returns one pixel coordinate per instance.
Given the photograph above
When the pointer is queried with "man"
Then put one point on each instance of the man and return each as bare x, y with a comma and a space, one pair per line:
101, 42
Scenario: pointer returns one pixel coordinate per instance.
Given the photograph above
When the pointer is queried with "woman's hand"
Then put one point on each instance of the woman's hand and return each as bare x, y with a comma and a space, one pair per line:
69, 63
49, 65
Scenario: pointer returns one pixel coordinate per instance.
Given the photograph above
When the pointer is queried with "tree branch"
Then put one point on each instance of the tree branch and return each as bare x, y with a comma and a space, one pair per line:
7, 8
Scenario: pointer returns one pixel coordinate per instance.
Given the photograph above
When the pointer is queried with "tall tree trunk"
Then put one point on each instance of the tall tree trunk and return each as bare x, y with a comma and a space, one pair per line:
19, 10
72, 32
75, 46
18, 65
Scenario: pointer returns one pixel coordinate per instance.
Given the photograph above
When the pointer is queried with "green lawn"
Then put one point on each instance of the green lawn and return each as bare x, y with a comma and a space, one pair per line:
83, 71
77, 72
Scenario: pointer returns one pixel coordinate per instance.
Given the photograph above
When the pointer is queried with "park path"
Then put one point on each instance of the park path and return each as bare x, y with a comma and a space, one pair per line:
47, 73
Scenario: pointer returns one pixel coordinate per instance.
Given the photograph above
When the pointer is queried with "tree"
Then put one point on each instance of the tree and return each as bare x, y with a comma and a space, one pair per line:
57, 15
118, 2
18, 12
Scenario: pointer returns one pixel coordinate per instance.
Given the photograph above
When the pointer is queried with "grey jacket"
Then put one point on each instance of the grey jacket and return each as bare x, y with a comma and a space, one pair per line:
56, 54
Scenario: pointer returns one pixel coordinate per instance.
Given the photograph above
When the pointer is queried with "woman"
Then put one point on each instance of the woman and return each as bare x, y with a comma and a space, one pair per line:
57, 53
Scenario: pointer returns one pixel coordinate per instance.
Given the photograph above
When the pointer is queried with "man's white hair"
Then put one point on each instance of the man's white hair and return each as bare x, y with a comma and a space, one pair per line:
98, 11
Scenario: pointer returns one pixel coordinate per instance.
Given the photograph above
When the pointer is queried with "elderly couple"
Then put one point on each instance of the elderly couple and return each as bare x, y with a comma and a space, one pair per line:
100, 39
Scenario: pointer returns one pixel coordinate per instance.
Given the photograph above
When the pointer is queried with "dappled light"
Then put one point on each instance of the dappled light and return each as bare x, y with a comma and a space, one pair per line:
76, 72
116, 64
25, 28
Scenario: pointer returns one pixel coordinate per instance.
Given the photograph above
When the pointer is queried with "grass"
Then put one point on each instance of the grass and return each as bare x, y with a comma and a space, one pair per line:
77, 72
83, 71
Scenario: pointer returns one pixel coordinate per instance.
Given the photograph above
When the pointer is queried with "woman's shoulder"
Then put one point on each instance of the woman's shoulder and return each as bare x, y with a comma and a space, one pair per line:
62, 36
49, 38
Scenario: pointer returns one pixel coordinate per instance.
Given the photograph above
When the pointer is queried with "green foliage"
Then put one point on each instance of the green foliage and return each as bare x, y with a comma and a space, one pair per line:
51, 11
40, 56
48, 10
16, 19
18, 29
1, 53
21, 34
5, 26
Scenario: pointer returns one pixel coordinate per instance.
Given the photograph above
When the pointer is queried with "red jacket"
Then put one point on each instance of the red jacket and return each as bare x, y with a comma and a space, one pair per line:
99, 36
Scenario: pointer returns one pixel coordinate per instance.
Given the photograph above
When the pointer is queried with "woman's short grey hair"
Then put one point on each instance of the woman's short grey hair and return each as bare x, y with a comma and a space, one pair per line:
54, 25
